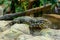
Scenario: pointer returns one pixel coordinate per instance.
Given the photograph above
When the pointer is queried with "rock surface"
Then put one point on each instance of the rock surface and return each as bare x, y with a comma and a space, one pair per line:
29, 37
3, 25
15, 31
21, 27
52, 33
24, 37
41, 38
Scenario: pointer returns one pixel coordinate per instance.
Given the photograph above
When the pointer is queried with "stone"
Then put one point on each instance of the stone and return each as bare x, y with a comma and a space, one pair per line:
51, 32
24, 37
30, 37
3, 37
21, 27
4, 25
15, 31
42, 38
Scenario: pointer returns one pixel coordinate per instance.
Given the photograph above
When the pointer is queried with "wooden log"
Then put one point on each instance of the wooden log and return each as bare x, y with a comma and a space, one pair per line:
11, 16
54, 18
27, 12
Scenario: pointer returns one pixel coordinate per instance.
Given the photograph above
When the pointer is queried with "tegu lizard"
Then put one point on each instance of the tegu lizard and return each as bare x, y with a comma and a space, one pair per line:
35, 23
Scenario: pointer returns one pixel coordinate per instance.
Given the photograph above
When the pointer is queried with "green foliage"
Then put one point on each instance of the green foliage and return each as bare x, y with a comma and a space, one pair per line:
23, 5
1, 2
